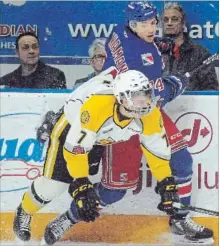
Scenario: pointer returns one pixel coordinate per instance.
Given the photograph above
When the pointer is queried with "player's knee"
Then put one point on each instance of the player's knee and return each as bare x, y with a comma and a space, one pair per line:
108, 196
181, 163
47, 189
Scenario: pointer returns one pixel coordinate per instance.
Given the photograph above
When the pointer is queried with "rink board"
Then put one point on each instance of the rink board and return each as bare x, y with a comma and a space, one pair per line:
135, 219
112, 229
22, 156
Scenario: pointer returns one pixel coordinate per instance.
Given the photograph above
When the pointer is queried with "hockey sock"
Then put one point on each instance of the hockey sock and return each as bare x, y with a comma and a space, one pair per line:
185, 190
31, 202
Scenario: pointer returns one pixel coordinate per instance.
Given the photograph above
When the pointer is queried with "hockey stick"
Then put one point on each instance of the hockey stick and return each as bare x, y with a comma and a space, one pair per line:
206, 62
196, 209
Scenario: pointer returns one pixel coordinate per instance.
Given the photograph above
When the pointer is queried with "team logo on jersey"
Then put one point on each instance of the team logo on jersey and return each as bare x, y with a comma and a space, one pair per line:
85, 117
147, 59
123, 177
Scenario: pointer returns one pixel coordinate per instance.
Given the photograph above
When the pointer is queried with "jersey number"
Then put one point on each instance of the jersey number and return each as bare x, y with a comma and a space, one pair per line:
82, 137
165, 136
159, 84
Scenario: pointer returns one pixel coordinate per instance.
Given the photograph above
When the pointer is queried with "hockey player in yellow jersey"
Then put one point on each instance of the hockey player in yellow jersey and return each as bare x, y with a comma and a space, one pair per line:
103, 120
119, 107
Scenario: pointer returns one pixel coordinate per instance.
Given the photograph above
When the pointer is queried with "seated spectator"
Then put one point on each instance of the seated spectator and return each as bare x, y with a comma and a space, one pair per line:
185, 54
97, 56
32, 73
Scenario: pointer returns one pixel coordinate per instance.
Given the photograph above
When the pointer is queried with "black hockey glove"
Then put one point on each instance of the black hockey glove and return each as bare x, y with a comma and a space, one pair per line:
44, 131
167, 189
85, 198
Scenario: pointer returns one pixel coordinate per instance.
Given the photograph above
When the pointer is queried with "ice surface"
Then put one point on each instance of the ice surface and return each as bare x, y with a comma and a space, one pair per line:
165, 239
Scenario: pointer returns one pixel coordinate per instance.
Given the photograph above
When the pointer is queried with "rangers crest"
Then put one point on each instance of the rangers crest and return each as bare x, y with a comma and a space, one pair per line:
147, 59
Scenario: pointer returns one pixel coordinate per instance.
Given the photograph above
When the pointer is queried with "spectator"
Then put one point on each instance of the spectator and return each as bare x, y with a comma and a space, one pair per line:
97, 56
32, 73
185, 54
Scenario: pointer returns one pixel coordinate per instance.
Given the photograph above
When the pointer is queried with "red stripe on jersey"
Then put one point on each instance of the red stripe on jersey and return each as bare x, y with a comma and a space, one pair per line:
182, 145
185, 189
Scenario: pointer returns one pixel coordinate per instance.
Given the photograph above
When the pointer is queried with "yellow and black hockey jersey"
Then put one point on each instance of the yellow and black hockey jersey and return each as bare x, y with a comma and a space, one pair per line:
94, 121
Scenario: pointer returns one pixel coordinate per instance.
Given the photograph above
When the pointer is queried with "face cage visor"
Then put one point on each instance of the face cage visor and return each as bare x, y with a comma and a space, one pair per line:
141, 102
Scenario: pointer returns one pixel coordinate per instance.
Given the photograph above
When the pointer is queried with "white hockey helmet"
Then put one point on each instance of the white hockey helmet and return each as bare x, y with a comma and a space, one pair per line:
135, 92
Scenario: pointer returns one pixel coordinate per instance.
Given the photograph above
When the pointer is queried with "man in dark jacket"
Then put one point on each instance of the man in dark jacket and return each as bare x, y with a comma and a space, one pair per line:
185, 55
32, 73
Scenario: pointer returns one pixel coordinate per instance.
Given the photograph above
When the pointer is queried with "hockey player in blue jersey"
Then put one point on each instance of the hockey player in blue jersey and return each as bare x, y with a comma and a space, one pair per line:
133, 47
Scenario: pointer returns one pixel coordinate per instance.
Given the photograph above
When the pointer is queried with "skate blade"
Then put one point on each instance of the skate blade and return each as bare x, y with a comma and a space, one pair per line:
205, 241
182, 240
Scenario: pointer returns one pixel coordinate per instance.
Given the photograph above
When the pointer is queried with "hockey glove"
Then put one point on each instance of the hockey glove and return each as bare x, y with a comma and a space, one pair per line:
44, 131
177, 83
85, 198
167, 189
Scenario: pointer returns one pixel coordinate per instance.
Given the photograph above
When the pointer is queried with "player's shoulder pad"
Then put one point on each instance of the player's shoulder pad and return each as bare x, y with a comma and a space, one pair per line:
96, 111
152, 123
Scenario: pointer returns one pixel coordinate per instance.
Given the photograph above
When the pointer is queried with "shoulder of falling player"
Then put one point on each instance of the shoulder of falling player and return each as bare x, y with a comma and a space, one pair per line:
102, 107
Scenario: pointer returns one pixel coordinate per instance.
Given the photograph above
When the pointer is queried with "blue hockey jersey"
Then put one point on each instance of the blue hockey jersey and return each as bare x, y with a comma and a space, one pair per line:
126, 51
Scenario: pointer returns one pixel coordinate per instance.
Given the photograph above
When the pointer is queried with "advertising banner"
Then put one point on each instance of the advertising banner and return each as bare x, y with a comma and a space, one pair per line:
67, 28
22, 156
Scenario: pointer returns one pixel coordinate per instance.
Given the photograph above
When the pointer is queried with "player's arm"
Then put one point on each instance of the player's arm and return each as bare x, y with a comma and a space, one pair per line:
77, 146
76, 149
155, 146
170, 87
174, 85
79, 142
156, 149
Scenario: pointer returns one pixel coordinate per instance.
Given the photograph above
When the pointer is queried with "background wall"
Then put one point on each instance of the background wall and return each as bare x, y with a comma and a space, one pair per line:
67, 28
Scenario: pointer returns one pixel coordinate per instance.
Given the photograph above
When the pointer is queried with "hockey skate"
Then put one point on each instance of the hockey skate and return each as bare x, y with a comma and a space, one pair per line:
21, 226
56, 229
191, 230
